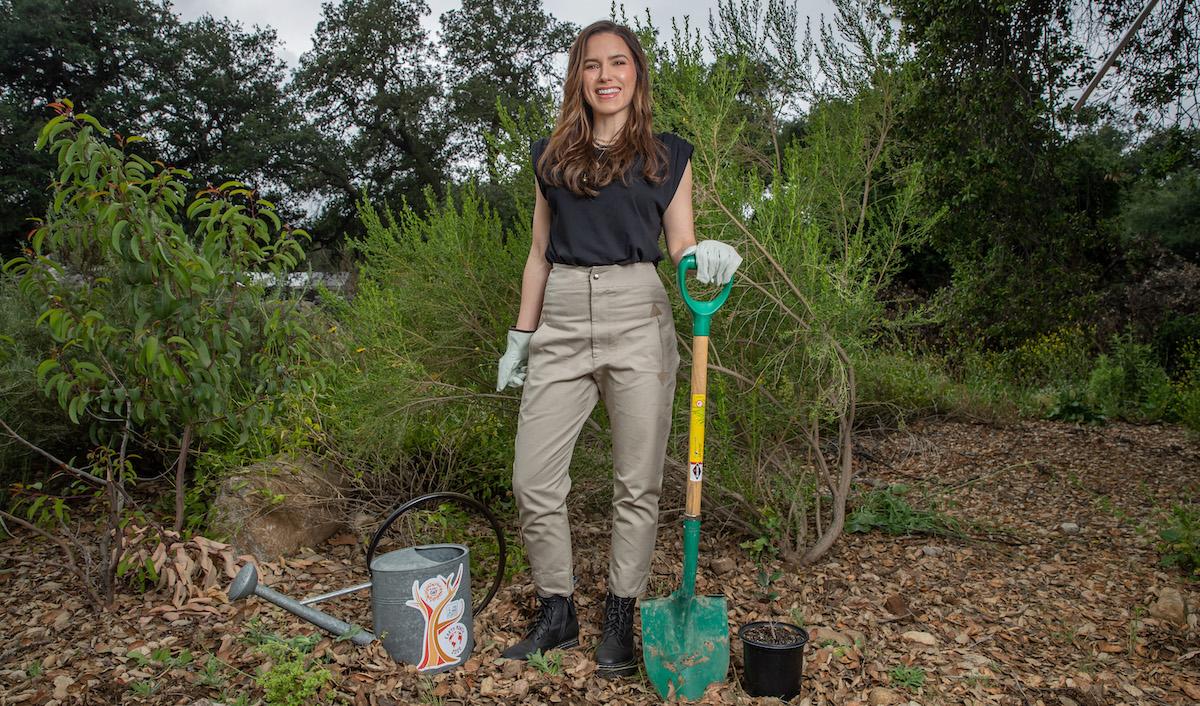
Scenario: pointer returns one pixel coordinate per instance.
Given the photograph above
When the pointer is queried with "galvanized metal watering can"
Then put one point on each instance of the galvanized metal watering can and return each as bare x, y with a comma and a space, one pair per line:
420, 596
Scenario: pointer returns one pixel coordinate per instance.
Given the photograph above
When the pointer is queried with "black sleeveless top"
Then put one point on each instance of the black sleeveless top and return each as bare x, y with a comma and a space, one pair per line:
621, 224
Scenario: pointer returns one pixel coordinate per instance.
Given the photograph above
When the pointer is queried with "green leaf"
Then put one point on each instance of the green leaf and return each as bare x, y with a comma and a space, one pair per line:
44, 369
205, 358
107, 215
150, 351
119, 228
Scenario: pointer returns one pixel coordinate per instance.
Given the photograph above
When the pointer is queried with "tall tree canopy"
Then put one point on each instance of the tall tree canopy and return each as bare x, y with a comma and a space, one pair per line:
372, 86
96, 52
497, 51
207, 93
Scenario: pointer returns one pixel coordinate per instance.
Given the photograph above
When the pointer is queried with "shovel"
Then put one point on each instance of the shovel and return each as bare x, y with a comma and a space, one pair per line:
685, 637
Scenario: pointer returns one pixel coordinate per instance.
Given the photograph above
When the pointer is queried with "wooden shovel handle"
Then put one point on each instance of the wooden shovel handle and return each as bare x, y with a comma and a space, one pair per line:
699, 405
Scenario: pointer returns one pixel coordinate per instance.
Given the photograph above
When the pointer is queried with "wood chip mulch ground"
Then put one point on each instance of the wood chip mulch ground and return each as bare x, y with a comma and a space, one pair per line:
1027, 611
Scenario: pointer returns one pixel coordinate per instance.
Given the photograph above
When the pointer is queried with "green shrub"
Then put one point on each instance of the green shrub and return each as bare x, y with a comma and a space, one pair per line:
900, 386
1060, 357
39, 419
889, 511
295, 677
1179, 537
293, 681
1173, 338
1071, 404
1128, 383
414, 392
160, 333
1186, 405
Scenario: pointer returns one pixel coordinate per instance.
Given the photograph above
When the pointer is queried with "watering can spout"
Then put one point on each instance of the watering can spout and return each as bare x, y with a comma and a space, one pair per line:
246, 584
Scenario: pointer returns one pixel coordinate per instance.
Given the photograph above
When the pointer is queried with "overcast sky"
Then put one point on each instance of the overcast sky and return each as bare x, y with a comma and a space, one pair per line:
295, 20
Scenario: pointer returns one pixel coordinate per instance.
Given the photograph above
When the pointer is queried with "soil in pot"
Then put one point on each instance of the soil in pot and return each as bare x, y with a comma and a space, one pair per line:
773, 634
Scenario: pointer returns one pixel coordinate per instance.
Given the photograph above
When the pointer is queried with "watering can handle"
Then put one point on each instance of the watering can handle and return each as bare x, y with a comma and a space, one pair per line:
472, 503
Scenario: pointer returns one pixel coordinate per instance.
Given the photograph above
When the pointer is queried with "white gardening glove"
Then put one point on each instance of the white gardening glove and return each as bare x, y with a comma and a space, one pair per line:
514, 362
715, 261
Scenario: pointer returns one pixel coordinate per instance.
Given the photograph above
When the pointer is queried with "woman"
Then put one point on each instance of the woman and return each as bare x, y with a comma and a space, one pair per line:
594, 323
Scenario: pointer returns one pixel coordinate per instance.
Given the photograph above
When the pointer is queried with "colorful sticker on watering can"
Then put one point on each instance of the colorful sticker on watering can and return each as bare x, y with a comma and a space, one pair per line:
696, 471
445, 637
696, 436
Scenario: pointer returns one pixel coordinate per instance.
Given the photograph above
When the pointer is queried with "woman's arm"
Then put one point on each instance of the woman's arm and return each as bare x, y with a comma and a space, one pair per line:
678, 222
537, 268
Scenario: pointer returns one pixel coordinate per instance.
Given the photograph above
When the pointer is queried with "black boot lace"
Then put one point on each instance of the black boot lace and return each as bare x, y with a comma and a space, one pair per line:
618, 617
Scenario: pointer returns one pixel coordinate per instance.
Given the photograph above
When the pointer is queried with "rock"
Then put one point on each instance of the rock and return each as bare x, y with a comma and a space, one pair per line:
896, 605
880, 696
1069, 528
723, 565
1170, 607
920, 637
274, 507
931, 550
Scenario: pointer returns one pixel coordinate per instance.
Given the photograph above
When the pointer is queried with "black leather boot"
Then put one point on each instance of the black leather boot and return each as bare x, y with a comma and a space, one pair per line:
615, 656
554, 627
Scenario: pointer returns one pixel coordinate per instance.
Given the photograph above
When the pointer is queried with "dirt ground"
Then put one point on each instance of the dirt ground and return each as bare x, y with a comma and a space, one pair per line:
1026, 612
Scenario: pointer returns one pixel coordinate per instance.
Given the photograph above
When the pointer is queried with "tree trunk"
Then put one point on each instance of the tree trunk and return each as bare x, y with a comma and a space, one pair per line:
181, 475
845, 463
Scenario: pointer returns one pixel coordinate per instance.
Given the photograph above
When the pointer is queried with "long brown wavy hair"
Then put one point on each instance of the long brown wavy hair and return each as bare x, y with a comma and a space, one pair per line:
570, 160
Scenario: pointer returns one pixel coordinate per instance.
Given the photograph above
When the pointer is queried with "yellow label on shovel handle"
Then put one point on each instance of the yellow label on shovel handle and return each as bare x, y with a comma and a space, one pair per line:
696, 431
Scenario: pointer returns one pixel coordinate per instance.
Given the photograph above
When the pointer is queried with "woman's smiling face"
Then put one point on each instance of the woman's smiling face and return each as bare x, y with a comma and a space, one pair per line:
609, 74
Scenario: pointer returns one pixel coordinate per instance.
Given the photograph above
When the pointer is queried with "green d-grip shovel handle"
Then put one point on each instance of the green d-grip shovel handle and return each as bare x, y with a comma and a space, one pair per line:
702, 311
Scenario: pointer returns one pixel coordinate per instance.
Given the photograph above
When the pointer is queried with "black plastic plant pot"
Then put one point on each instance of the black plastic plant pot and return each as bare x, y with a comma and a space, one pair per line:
773, 658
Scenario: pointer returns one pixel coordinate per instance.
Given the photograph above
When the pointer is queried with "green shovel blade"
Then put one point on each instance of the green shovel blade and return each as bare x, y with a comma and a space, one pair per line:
685, 644
685, 637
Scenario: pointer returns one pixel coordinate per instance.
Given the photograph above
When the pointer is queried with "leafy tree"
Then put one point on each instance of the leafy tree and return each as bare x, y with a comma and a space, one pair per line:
208, 93
499, 55
776, 81
982, 120
1162, 203
159, 331
99, 51
373, 88
1156, 80
218, 107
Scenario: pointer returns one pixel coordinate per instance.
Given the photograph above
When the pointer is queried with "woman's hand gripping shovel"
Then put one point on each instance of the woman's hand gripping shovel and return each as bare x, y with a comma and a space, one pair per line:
685, 637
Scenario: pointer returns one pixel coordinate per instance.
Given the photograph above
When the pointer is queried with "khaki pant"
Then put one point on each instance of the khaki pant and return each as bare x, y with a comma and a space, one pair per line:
606, 333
